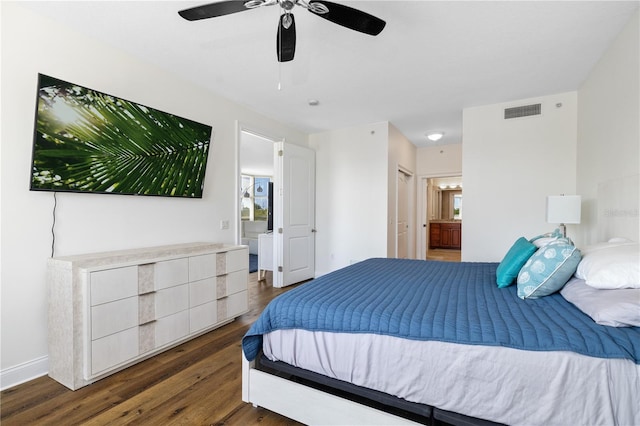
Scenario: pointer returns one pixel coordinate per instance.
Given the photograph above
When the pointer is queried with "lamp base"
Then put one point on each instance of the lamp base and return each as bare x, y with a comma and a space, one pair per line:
563, 230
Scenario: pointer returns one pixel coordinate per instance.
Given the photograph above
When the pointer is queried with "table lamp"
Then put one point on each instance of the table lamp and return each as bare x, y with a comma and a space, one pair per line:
563, 209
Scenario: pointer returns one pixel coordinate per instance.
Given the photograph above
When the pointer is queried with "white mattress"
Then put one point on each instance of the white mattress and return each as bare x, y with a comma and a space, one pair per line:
504, 385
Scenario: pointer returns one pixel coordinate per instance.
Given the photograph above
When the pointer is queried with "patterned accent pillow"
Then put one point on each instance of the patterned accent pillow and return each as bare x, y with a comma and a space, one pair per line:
548, 270
544, 239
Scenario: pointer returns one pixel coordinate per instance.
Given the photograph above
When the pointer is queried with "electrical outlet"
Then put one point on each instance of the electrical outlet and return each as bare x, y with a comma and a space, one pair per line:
224, 224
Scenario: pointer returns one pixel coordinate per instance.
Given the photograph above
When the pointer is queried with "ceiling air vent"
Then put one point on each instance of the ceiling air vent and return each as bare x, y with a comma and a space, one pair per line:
522, 111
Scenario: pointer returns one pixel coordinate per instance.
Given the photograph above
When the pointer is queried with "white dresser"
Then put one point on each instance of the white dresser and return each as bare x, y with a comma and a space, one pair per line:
110, 310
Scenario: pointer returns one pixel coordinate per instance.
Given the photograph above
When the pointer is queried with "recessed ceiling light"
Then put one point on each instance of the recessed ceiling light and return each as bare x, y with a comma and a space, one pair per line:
314, 102
435, 136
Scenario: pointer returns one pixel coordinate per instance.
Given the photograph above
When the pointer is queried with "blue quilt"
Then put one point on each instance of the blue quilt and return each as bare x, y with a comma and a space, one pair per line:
443, 301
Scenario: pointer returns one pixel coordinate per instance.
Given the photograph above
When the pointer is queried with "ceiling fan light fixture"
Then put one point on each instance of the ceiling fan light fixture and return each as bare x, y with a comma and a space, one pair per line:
318, 8
287, 21
435, 136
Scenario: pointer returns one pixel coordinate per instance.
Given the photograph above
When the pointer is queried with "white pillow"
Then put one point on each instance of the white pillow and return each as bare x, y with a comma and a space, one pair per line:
613, 242
614, 308
620, 240
610, 265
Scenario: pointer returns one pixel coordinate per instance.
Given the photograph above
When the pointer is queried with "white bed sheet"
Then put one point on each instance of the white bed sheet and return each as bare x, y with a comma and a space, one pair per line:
504, 385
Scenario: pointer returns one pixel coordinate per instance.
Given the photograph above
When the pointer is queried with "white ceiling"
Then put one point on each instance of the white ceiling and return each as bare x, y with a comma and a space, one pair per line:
433, 58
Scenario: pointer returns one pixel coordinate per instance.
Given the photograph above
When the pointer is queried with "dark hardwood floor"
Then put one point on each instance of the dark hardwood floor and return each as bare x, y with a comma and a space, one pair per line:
196, 383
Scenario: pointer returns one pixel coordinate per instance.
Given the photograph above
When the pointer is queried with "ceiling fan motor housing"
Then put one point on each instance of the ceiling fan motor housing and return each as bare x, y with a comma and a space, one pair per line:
345, 16
286, 40
287, 4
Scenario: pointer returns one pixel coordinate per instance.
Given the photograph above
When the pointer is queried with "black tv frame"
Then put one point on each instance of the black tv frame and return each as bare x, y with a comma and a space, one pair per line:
92, 142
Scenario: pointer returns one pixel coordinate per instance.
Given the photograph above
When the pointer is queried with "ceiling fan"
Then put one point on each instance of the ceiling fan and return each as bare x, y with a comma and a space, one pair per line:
286, 39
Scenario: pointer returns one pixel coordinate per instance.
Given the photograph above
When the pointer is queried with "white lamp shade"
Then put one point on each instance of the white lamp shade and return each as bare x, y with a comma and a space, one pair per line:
563, 208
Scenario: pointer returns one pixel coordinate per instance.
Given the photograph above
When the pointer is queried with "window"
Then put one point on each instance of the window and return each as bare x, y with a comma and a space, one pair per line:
255, 197
457, 206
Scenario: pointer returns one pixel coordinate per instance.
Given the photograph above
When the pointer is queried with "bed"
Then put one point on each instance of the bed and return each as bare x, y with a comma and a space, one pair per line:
397, 341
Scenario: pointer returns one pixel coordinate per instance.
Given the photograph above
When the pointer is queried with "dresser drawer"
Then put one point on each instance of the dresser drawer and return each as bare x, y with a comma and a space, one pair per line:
232, 306
171, 300
231, 283
235, 260
203, 291
203, 316
113, 317
163, 331
113, 284
171, 328
237, 304
201, 267
171, 272
113, 350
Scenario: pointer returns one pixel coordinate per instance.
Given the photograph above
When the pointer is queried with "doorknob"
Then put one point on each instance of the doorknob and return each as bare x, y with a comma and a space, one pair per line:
313, 230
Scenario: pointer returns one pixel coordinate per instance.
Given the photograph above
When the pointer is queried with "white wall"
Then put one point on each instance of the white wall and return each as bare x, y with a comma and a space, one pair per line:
90, 223
593, 138
608, 122
351, 195
442, 160
509, 167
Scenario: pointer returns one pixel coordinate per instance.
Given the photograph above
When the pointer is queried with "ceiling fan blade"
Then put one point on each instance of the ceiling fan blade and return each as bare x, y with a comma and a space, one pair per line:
350, 18
286, 40
213, 10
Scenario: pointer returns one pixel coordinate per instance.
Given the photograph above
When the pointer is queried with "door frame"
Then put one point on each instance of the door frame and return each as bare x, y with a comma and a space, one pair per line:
422, 209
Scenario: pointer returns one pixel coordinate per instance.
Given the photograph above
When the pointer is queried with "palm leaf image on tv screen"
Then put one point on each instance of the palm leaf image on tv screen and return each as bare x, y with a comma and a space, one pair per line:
88, 141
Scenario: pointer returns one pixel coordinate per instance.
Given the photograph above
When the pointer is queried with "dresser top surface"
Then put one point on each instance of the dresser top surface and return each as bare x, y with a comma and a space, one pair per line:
146, 253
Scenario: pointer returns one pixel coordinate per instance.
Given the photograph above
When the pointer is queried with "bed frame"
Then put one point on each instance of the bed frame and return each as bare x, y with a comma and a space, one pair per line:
336, 401
278, 387
307, 404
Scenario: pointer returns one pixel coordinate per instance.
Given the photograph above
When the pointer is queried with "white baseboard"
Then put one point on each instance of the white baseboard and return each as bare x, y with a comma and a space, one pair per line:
22, 373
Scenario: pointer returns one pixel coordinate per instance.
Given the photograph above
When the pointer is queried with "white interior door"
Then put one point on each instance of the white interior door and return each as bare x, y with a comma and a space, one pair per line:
423, 199
402, 234
294, 219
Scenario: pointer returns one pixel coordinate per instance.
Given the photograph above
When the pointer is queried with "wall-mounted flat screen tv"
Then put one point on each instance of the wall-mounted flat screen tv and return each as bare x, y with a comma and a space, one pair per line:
88, 141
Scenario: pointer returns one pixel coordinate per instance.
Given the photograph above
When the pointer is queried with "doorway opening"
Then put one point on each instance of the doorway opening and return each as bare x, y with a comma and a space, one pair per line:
442, 216
255, 217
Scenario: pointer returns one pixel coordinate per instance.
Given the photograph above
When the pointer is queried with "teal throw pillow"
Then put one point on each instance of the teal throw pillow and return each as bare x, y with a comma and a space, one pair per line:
517, 256
548, 270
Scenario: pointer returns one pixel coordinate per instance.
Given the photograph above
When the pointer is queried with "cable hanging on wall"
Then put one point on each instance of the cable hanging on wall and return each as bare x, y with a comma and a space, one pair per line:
53, 225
